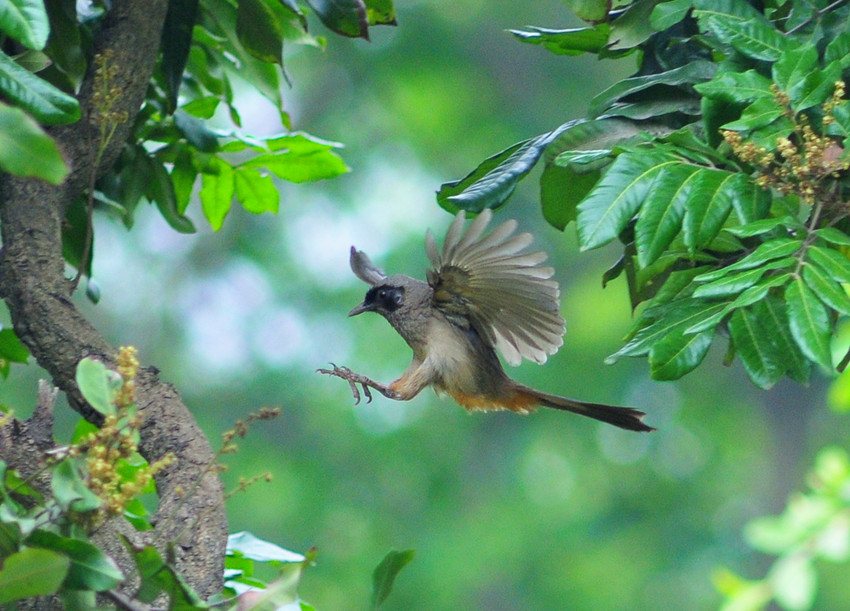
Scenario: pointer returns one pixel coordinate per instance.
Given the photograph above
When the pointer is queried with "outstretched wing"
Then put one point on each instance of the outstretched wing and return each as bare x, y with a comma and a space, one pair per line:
504, 293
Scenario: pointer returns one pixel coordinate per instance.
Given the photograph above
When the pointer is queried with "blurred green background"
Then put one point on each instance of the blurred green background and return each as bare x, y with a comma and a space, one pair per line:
548, 511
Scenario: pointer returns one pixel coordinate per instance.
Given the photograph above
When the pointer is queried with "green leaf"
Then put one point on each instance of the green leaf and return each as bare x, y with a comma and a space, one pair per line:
735, 283
816, 88
707, 207
767, 251
755, 37
69, 490
300, 167
838, 50
196, 132
35, 95
157, 576
809, 323
93, 382
794, 65
589, 10
685, 76
217, 187
346, 17
26, 150
667, 14
760, 113
494, 180
737, 87
255, 191
632, 27
833, 236
25, 21
31, 572
260, 31
763, 226
11, 351
176, 43
826, 289
794, 581
90, 568
773, 320
661, 214
612, 203
561, 191
380, 12
246, 545
677, 354
833, 262
754, 348
160, 190
385, 573
750, 201
567, 42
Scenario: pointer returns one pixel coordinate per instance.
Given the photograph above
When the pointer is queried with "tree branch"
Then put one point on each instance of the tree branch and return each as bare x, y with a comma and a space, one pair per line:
34, 286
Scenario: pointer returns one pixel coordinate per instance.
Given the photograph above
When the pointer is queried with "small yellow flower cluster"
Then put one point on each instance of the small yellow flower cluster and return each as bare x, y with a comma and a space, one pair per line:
800, 163
106, 92
116, 440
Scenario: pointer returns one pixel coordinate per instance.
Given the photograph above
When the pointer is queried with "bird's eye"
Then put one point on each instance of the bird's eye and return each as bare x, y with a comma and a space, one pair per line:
397, 297
382, 293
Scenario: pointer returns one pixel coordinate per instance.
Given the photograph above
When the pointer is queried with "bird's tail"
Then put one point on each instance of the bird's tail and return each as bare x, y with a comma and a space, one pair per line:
623, 417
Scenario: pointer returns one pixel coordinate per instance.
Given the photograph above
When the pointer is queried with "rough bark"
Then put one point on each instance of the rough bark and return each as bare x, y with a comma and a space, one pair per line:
34, 286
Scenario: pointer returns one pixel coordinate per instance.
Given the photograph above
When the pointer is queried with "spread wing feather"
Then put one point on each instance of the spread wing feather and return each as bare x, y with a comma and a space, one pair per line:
504, 293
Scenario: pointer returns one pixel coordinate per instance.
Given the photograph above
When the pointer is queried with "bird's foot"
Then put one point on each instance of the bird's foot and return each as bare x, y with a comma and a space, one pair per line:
354, 379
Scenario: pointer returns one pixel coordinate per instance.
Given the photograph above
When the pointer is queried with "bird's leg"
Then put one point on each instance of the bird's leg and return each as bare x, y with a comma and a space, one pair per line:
354, 379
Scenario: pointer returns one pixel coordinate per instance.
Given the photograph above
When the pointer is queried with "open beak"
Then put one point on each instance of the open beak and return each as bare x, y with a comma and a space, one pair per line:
363, 307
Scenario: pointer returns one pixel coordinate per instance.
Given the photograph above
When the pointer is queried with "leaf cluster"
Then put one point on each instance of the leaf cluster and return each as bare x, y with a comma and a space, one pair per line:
721, 169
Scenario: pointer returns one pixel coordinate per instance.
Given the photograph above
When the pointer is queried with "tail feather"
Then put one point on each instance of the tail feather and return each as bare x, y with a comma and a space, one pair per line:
624, 417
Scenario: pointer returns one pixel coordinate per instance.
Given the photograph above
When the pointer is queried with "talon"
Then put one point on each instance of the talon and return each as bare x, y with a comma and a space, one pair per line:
368, 393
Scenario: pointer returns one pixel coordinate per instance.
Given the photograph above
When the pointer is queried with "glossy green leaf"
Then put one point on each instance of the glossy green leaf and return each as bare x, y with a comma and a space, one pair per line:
755, 349
772, 314
760, 113
256, 192
386, 572
763, 226
707, 207
749, 296
260, 31
816, 88
670, 319
160, 190
69, 490
677, 354
494, 180
35, 95
668, 14
661, 214
733, 284
183, 175
833, 236
25, 21
90, 568
754, 38
838, 50
217, 188
632, 27
809, 323
26, 150
737, 87
833, 262
685, 76
93, 382
11, 348
609, 207
767, 251
196, 132
176, 43
345, 17
750, 201
31, 572
297, 167
829, 292
567, 42
561, 191
793, 66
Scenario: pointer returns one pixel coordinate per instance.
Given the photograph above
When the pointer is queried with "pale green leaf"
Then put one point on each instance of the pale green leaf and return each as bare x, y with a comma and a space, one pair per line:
809, 323
26, 150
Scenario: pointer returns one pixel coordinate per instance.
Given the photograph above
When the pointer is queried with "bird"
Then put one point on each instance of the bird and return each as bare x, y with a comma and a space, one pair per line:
484, 294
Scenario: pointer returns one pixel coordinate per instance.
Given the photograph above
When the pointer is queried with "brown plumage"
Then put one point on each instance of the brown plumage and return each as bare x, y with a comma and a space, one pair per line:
484, 294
